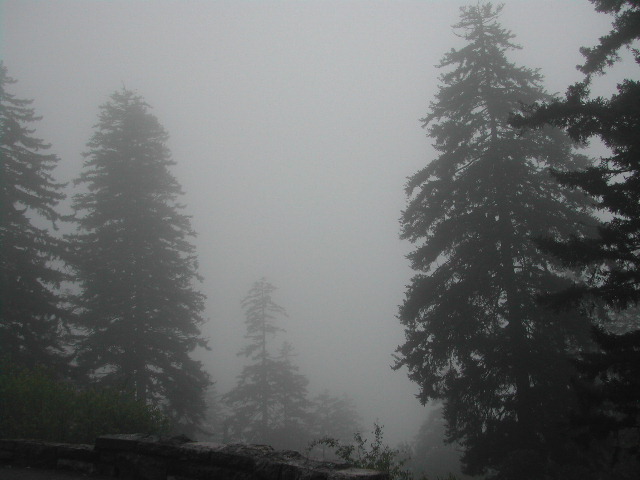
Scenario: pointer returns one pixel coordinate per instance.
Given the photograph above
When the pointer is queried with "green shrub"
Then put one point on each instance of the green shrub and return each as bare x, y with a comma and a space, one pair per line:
33, 404
375, 456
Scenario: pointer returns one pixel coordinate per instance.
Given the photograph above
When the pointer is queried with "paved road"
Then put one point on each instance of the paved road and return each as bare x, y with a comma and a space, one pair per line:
15, 473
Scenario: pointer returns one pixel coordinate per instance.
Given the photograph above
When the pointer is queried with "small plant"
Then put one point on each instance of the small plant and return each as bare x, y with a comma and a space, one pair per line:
373, 455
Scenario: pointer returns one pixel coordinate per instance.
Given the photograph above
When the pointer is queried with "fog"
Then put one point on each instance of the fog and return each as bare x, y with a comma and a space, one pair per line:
294, 126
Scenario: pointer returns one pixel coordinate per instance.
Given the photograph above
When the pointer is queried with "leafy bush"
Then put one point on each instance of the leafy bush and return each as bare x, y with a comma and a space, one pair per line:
35, 405
375, 456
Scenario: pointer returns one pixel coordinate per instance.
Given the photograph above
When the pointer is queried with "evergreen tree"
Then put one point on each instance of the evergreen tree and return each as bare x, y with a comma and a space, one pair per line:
335, 421
614, 181
335, 417
213, 424
608, 381
606, 424
293, 430
431, 455
476, 337
30, 306
138, 306
255, 400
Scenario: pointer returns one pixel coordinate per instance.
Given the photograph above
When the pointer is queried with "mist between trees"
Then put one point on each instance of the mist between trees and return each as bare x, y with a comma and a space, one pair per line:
521, 321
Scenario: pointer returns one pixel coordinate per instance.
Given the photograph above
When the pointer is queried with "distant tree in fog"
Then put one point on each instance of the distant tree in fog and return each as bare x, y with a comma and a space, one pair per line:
213, 424
476, 337
269, 404
31, 315
255, 400
607, 424
334, 420
138, 308
431, 455
293, 430
335, 416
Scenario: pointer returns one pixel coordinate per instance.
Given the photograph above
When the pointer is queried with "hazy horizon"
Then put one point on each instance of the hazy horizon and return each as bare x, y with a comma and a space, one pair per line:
294, 126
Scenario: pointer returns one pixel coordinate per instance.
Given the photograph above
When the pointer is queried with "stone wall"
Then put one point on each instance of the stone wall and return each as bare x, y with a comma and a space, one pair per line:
152, 458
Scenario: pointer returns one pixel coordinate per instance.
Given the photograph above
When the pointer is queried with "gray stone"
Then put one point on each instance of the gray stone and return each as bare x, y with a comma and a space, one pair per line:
207, 472
358, 474
6, 456
81, 452
76, 466
144, 457
118, 442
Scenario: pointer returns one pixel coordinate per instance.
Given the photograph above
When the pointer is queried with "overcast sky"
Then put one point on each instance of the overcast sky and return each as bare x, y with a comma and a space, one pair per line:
294, 126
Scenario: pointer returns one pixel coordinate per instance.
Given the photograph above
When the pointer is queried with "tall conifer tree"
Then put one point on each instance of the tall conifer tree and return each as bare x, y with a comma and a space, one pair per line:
614, 181
476, 337
335, 417
30, 309
269, 402
254, 401
293, 430
138, 306
609, 418
431, 453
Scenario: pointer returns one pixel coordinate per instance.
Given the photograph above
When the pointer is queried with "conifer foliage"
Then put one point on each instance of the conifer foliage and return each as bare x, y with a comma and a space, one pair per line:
254, 400
138, 308
431, 453
269, 402
476, 337
293, 431
609, 417
614, 181
30, 309
335, 417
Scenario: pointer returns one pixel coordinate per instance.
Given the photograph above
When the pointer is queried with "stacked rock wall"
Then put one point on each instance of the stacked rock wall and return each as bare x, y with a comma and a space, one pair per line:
152, 458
